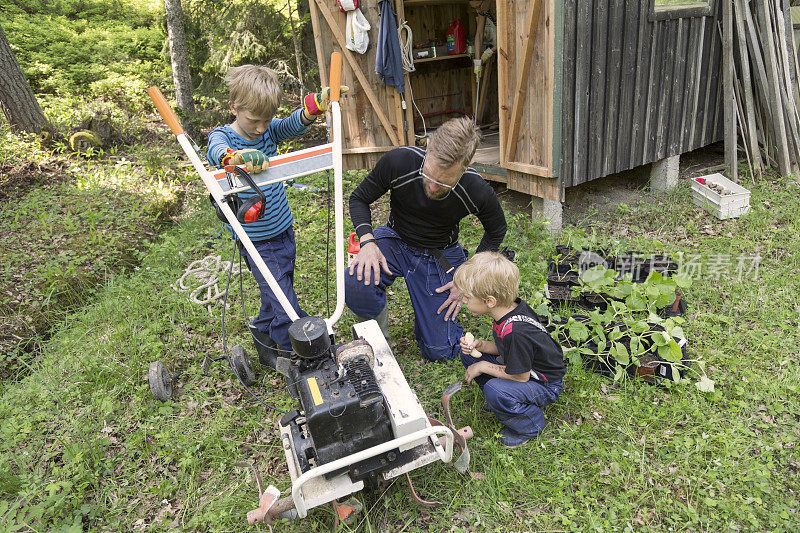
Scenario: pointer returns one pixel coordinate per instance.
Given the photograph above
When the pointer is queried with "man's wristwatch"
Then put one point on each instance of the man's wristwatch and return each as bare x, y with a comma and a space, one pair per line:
362, 243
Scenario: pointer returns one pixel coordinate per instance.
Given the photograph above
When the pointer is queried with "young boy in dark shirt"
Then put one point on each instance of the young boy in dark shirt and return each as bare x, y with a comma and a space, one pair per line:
520, 372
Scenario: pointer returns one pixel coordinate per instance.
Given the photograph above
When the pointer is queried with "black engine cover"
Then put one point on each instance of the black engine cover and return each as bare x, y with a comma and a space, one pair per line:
343, 414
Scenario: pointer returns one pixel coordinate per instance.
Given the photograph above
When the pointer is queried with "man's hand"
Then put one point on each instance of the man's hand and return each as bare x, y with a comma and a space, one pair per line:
473, 371
452, 304
368, 264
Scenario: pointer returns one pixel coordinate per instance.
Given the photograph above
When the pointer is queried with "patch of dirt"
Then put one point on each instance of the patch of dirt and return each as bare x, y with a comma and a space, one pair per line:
602, 197
605, 194
16, 180
50, 266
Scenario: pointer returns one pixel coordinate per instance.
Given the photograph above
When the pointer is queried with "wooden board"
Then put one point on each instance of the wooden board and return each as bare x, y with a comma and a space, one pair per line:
635, 141
616, 45
640, 90
371, 114
597, 88
533, 142
679, 94
583, 75
568, 83
534, 185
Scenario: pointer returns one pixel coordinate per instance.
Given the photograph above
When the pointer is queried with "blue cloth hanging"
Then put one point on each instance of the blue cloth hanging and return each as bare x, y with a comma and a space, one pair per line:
389, 61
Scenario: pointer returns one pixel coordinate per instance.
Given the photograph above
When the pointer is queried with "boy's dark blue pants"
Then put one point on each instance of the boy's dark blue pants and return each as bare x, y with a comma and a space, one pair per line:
518, 406
438, 340
279, 255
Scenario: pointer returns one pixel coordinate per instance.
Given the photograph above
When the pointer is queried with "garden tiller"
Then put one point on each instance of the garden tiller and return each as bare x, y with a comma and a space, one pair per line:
358, 422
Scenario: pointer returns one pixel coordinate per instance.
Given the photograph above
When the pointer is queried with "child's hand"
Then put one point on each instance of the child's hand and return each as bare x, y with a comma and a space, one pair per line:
315, 104
470, 345
473, 371
254, 161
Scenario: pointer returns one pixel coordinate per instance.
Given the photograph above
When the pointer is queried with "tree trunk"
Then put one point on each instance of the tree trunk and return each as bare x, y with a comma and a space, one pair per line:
296, 51
17, 100
307, 44
179, 56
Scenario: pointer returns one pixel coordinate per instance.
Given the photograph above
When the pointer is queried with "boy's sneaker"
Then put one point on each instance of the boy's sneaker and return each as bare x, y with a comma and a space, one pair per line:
512, 439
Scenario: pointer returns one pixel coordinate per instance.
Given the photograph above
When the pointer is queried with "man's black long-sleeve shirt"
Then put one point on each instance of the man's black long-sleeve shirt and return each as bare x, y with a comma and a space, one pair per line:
421, 221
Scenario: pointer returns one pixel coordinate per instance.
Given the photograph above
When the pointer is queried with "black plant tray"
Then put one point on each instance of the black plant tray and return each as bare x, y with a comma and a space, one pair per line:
560, 292
652, 368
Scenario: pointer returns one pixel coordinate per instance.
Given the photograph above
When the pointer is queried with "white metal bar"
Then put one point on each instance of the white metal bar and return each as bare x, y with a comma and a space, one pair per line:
276, 180
283, 167
216, 192
431, 431
338, 203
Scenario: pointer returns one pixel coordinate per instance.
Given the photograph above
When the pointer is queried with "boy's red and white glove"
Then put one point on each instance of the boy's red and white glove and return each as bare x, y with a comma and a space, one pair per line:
315, 104
254, 161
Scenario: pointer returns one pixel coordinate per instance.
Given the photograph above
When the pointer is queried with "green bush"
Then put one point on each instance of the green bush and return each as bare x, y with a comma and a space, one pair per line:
108, 50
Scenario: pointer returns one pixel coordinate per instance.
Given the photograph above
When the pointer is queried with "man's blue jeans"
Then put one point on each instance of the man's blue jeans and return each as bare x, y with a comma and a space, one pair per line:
279, 255
518, 406
438, 340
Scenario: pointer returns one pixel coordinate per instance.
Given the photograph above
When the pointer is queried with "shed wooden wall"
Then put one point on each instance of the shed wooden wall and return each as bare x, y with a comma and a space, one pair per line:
635, 91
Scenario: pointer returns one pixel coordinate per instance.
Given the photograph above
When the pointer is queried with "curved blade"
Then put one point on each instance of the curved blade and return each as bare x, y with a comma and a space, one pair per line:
462, 463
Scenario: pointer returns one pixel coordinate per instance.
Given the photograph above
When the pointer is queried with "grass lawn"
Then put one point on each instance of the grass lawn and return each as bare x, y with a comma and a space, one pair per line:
83, 445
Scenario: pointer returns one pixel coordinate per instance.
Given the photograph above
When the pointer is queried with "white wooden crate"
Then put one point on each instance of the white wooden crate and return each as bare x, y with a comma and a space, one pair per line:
721, 206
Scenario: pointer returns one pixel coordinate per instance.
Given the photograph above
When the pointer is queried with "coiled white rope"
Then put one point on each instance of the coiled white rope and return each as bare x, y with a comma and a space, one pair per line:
408, 66
207, 272
406, 46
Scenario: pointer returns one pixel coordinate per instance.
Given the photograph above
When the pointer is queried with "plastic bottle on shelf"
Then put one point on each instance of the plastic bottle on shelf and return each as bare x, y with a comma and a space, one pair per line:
456, 38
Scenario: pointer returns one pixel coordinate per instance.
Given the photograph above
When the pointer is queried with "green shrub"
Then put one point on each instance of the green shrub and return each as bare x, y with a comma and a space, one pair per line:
111, 50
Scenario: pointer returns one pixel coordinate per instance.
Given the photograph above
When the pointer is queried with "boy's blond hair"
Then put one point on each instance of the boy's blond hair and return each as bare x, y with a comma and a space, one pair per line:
254, 88
488, 274
454, 142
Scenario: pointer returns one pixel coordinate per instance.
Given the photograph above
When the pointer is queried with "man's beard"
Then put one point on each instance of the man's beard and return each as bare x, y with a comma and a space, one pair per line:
435, 196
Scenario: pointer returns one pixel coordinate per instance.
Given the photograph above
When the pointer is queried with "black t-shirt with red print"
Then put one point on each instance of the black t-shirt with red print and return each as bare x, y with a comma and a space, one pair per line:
525, 345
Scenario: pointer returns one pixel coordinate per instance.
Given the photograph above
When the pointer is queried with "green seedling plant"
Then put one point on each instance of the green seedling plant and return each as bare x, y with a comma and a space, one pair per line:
630, 328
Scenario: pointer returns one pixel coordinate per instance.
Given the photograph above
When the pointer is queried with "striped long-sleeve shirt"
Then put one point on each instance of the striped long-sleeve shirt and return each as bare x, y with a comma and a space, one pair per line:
277, 215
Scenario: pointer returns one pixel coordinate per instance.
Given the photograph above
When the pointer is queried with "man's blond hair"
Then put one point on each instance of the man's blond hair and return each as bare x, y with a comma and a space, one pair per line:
488, 274
254, 88
454, 143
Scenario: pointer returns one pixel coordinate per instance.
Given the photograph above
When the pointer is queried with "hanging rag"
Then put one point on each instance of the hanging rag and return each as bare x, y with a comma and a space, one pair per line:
357, 27
389, 60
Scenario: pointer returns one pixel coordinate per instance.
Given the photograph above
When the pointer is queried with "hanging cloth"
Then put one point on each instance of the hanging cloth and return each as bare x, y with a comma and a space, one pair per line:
389, 60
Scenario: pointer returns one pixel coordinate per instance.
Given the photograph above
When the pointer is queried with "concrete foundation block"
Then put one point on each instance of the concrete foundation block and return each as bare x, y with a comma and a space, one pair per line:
664, 173
549, 210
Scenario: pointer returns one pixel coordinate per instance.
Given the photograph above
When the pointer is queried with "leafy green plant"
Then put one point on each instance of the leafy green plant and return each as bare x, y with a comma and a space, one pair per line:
628, 332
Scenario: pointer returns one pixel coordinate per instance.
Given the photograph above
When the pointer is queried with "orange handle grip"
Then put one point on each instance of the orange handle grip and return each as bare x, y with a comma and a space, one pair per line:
336, 76
165, 110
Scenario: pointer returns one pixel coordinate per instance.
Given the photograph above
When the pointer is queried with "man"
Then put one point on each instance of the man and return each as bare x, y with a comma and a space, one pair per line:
430, 192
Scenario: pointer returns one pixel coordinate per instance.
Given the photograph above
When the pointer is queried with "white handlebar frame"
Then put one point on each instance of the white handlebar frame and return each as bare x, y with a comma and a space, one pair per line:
219, 197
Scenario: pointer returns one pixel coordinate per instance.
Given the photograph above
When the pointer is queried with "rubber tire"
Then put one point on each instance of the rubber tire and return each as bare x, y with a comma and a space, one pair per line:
242, 366
160, 381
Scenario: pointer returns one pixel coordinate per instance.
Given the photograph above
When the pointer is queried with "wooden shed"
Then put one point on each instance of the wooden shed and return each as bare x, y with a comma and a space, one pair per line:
577, 89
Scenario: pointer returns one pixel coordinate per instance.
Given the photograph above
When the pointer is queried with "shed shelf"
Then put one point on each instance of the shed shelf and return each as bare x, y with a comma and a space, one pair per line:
433, 2
440, 58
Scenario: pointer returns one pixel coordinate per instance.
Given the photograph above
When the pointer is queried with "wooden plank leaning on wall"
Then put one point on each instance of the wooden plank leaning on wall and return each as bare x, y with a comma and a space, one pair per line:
394, 136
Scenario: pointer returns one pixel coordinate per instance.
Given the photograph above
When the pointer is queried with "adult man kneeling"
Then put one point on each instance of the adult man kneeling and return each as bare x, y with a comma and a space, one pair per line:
430, 192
